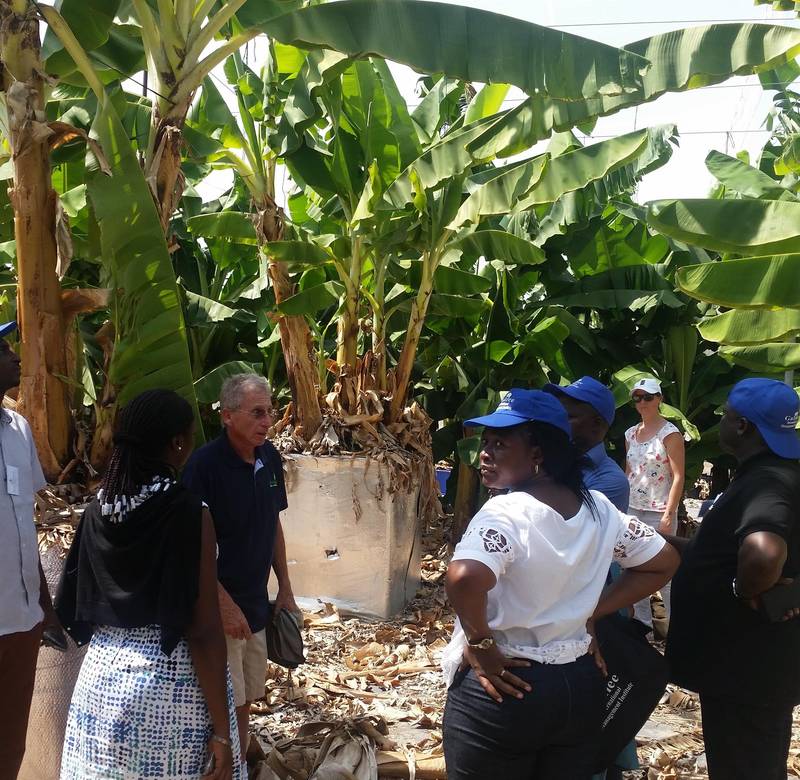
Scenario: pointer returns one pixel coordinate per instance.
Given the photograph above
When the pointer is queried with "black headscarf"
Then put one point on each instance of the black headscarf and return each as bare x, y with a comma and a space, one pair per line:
139, 572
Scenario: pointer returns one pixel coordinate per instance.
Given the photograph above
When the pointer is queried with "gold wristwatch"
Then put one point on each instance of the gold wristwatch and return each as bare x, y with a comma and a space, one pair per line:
481, 644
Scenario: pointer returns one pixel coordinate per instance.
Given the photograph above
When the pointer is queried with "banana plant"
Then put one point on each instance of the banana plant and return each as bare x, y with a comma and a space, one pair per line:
759, 289
244, 147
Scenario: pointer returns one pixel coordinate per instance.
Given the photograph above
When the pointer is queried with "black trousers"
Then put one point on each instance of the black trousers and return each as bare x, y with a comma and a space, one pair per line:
546, 735
745, 741
18, 654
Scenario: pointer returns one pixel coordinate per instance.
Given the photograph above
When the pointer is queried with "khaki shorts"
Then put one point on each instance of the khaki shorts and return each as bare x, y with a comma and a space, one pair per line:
247, 660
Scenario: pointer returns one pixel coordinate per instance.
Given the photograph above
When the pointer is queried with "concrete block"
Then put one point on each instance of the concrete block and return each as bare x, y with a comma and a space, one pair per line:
348, 539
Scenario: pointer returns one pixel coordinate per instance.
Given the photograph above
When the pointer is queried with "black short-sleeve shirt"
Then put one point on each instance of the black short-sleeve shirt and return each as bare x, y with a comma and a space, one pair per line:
716, 643
245, 501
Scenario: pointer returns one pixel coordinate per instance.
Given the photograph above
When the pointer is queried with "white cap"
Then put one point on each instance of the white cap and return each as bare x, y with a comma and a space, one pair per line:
648, 385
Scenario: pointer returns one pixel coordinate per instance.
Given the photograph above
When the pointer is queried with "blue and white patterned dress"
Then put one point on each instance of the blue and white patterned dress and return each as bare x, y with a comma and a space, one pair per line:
137, 714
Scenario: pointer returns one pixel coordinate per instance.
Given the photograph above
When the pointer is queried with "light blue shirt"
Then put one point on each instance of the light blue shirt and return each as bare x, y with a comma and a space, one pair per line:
605, 476
20, 477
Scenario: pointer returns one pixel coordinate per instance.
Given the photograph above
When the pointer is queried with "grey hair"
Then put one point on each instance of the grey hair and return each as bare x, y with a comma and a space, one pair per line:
234, 388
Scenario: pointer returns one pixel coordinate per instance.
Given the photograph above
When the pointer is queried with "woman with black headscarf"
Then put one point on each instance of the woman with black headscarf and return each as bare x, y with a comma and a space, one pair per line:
152, 699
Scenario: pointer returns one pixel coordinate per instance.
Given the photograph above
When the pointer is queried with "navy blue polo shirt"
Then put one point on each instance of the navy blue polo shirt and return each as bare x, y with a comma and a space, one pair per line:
245, 500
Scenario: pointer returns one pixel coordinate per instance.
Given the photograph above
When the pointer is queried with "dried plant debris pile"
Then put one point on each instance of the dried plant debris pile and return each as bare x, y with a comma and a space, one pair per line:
57, 512
404, 447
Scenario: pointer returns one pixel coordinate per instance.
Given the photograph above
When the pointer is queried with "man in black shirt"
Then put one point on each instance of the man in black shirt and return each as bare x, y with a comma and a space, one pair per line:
240, 476
745, 668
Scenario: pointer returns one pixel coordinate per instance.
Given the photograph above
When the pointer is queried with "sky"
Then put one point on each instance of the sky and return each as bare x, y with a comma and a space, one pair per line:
728, 117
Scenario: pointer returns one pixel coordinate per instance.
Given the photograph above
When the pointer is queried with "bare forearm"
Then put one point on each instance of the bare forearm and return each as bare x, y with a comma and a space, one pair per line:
470, 606
210, 658
675, 494
205, 636
279, 562
638, 582
630, 587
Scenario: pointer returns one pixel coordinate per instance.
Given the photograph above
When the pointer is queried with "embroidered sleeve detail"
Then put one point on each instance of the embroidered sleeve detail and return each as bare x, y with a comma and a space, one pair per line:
494, 541
636, 535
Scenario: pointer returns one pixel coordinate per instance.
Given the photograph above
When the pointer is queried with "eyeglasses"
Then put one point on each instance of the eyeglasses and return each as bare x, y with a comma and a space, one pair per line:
637, 399
256, 414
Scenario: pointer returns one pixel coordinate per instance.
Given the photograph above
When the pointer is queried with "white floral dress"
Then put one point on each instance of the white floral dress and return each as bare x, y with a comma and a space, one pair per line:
649, 472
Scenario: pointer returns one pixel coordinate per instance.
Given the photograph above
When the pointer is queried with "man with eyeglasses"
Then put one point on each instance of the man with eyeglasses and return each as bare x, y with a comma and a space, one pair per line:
720, 642
240, 476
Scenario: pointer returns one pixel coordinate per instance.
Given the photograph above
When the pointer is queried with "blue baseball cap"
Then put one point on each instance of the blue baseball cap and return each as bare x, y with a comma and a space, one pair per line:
772, 407
589, 391
520, 406
6, 328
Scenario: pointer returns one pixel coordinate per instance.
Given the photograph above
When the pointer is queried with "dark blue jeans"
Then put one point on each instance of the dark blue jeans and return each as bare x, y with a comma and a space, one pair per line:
547, 735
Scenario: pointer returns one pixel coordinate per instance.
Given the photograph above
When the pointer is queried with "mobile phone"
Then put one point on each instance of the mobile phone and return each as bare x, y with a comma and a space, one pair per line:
210, 765
779, 599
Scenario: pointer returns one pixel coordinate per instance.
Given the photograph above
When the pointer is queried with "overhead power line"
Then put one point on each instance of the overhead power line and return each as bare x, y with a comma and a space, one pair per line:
673, 21
731, 130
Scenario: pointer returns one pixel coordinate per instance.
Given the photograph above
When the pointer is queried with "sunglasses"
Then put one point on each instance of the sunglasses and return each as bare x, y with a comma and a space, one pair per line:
639, 397
256, 414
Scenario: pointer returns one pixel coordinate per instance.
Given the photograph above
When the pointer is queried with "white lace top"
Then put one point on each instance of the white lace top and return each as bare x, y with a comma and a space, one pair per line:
649, 472
550, 573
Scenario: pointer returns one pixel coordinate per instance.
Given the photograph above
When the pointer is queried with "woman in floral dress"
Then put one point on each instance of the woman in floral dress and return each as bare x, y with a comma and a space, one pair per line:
654, 464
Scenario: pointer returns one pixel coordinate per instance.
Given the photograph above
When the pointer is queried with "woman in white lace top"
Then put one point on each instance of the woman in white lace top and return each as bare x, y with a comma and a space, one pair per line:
525, 697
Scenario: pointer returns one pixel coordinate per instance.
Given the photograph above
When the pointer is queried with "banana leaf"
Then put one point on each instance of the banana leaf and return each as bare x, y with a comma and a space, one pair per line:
744, 227
498, 245
150, 349
234, 226
440, 162
208, 387
765, 358
461, 42
680, 60
636, 287
312, 300
749, 283
576, 169
680, 352
745, 179
750, 326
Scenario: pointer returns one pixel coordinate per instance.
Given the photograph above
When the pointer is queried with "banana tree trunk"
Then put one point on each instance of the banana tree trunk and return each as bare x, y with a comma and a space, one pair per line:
43, 396
465, 500
164, 173
405, 365
347, 326
347, 332
296, 341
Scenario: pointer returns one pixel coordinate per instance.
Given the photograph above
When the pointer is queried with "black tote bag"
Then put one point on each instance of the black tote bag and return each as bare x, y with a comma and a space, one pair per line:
637, 679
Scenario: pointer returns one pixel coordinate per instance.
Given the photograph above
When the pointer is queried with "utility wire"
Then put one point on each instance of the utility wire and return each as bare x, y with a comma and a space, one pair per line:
688, 132
673, 21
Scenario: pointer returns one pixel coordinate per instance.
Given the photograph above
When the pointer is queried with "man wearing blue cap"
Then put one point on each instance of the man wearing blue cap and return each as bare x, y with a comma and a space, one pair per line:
590, 407
745, 668
25, 604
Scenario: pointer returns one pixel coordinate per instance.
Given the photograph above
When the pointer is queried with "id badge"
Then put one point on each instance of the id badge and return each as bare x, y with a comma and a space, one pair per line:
12, 480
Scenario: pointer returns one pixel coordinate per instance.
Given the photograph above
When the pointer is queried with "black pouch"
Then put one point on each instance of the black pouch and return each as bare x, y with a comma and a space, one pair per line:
284, 640
637, 679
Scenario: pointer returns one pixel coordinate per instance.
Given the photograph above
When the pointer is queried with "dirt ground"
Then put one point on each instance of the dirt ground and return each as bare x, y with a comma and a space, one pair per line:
371, 694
